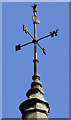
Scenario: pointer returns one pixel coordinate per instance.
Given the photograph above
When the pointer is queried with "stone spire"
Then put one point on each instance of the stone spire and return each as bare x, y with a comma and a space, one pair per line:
35, 106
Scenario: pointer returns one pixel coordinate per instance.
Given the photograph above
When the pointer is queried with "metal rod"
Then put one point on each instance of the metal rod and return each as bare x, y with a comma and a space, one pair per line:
35, 48
35, 30
26, 44
40, 46
43, 37
35, 51
44, 50
30, 34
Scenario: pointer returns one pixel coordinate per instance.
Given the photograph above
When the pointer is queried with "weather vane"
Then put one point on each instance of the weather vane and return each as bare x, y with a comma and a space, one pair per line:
35, 41
35, 106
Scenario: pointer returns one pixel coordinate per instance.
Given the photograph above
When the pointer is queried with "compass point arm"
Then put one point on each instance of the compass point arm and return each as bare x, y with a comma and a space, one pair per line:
44, 50
26, 44
18, 47
43, 37
54, 32
25, 29
51, 34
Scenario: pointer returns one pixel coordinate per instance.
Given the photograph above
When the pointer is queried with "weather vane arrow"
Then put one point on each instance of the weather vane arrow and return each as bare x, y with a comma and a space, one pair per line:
35, 41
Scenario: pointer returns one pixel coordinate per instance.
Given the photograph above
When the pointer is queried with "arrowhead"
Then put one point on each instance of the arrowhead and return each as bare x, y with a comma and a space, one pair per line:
18, 47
